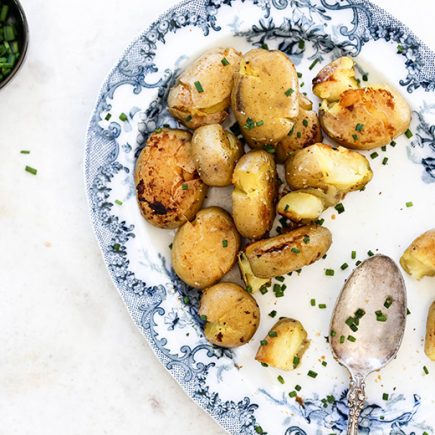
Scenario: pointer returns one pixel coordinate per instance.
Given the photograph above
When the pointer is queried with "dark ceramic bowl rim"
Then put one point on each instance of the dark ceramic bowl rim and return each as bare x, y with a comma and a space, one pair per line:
21, 17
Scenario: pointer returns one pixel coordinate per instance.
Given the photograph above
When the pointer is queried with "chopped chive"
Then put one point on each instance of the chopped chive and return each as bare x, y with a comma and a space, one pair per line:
295, 361
263, 342
292, 394
118, 202
305, 122
264, 46
333, 333
249, 125
306, 240
353, 255
259, 123
295, 250
400, 49
302, 85
385, 160
385, 396
380, 316
324, 363
320, 221
409, 204
289, 92
298, 388
330, 398
158, 130
349, 321
374, 155
355, 137
388, 302
353, 327
426, 370
299, 74
312, 374
4, 12
365, 77
408, 312
188, 118
263, 290
170, 246
408, 133
186, 300
370, 253
259, 429
185, 186
224, 61
340, 208
286, 207
301, 44
298, 134
225, 243
322, 306
329, 272
359, 313
25, 152
344, 266
203, 317
248, 289
280, 278
264, 364
314, 63
31, 170
342, 338
270, 149
351, 338
116, 247
123, 117
280, 379
313, 302
272, 334
358, 263
272, 313
199, 87
291, 131
359, 127
108, 116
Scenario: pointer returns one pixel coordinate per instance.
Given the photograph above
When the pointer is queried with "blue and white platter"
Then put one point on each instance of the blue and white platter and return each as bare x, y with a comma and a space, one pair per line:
243, 396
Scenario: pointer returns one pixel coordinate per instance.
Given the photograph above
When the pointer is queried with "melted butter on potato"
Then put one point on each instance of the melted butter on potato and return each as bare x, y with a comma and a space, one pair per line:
168, 187
214, 76
254, 193
429, 344
324, 167
232, 315
301, 206
284, 345
419, 258
265, 96
204, 250
288, 252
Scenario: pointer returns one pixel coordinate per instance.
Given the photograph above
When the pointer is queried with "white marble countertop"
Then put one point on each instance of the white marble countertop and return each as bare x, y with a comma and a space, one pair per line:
71, 360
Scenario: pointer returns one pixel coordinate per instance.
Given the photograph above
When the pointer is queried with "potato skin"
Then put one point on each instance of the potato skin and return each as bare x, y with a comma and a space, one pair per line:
200, 255
194, 108
163, 167
232, 315
382, 111
274, 256
335, 78
429, 344
254, 194
321, 166
419, 258
259, 95
215, 152
291, 341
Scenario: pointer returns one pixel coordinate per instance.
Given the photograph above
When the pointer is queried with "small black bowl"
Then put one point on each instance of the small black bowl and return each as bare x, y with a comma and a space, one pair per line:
20, 21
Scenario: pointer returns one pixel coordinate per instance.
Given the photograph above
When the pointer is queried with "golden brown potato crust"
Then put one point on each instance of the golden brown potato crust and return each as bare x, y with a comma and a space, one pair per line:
195, 108
288, 252
232, 314
205, 249
168, 187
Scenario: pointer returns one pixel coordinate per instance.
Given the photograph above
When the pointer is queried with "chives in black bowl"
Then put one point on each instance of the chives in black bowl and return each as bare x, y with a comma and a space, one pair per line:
14, 35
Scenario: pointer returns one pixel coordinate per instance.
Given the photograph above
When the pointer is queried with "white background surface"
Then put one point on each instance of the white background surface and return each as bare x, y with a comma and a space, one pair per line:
71, 360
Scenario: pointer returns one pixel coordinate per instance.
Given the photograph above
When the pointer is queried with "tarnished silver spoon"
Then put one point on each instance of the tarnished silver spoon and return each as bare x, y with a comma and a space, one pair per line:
367, 325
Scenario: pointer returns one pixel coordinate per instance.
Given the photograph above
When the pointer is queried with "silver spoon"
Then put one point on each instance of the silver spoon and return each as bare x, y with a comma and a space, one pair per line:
377, 330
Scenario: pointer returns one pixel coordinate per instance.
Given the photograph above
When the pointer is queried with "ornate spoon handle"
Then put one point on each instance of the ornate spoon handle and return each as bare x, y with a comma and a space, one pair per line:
356, 399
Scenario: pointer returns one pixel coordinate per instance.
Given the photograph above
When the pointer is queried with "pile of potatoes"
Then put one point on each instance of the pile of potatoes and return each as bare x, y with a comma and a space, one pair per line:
278, 123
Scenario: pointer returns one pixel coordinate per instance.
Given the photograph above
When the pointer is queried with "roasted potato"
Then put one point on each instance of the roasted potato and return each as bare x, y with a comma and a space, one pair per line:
288, 252
265, 97
324, 167
202, 93
419, 258
284, 345
335, 78
205, 249
429, 344
305, 131
253, 283
215, 152
232, 315
254, 193
365, 118
301, 206
168, 187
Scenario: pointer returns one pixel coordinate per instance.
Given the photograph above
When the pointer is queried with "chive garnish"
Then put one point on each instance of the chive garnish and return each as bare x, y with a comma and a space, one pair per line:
185, 186
224, 61
31, 170
225, 243
370, 253
342, 338
359, 127
305, 122
292, 394
333, 333
264, 46
259, 123
118, 202
270, 149
314, 63
351, 338
400, 49
358, 263
295, 361
123, 117
355, 137
170, 246
393, 143
295, 250
116, 247
298, 388
108, 116
385, 160
299, 74
340, 208
263, 342
264, 364
312, 374
329, 272
203, 317
302, 85
322, 306
380, 316
186, 300
188, 118
24, 152
259, 429
298, 134
306, 240
365, 77
263, 290
324, 363
385, 396
319, 221
426, 370
280, 379
248, 289
280, 278
313, 302
344, 266
289, 91
388, 302
158, 130
273, 334
301, 44
408, 133
272, 313
353, 255
374, 155
359, 313
250, 124
199, 87
409, 204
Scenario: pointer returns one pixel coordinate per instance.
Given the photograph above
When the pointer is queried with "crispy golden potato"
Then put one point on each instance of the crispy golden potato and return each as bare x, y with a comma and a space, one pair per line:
284, 346
419, 258
321, 166
253, 283
254, 194
305, 131
215, 152
288, 252
335, 78
202, 93
429, 344
366, 118
205, 249
168, 187
232, 315
301, 206
265, 97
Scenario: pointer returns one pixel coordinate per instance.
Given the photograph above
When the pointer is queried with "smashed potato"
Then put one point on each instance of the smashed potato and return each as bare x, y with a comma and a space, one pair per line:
253, 283
429, 344
168, 187
232, 315
254, 193
288, 252
419, 258
284, 346
202, 93
205, 249
301, 206
215, 152
265, 96
321, 166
